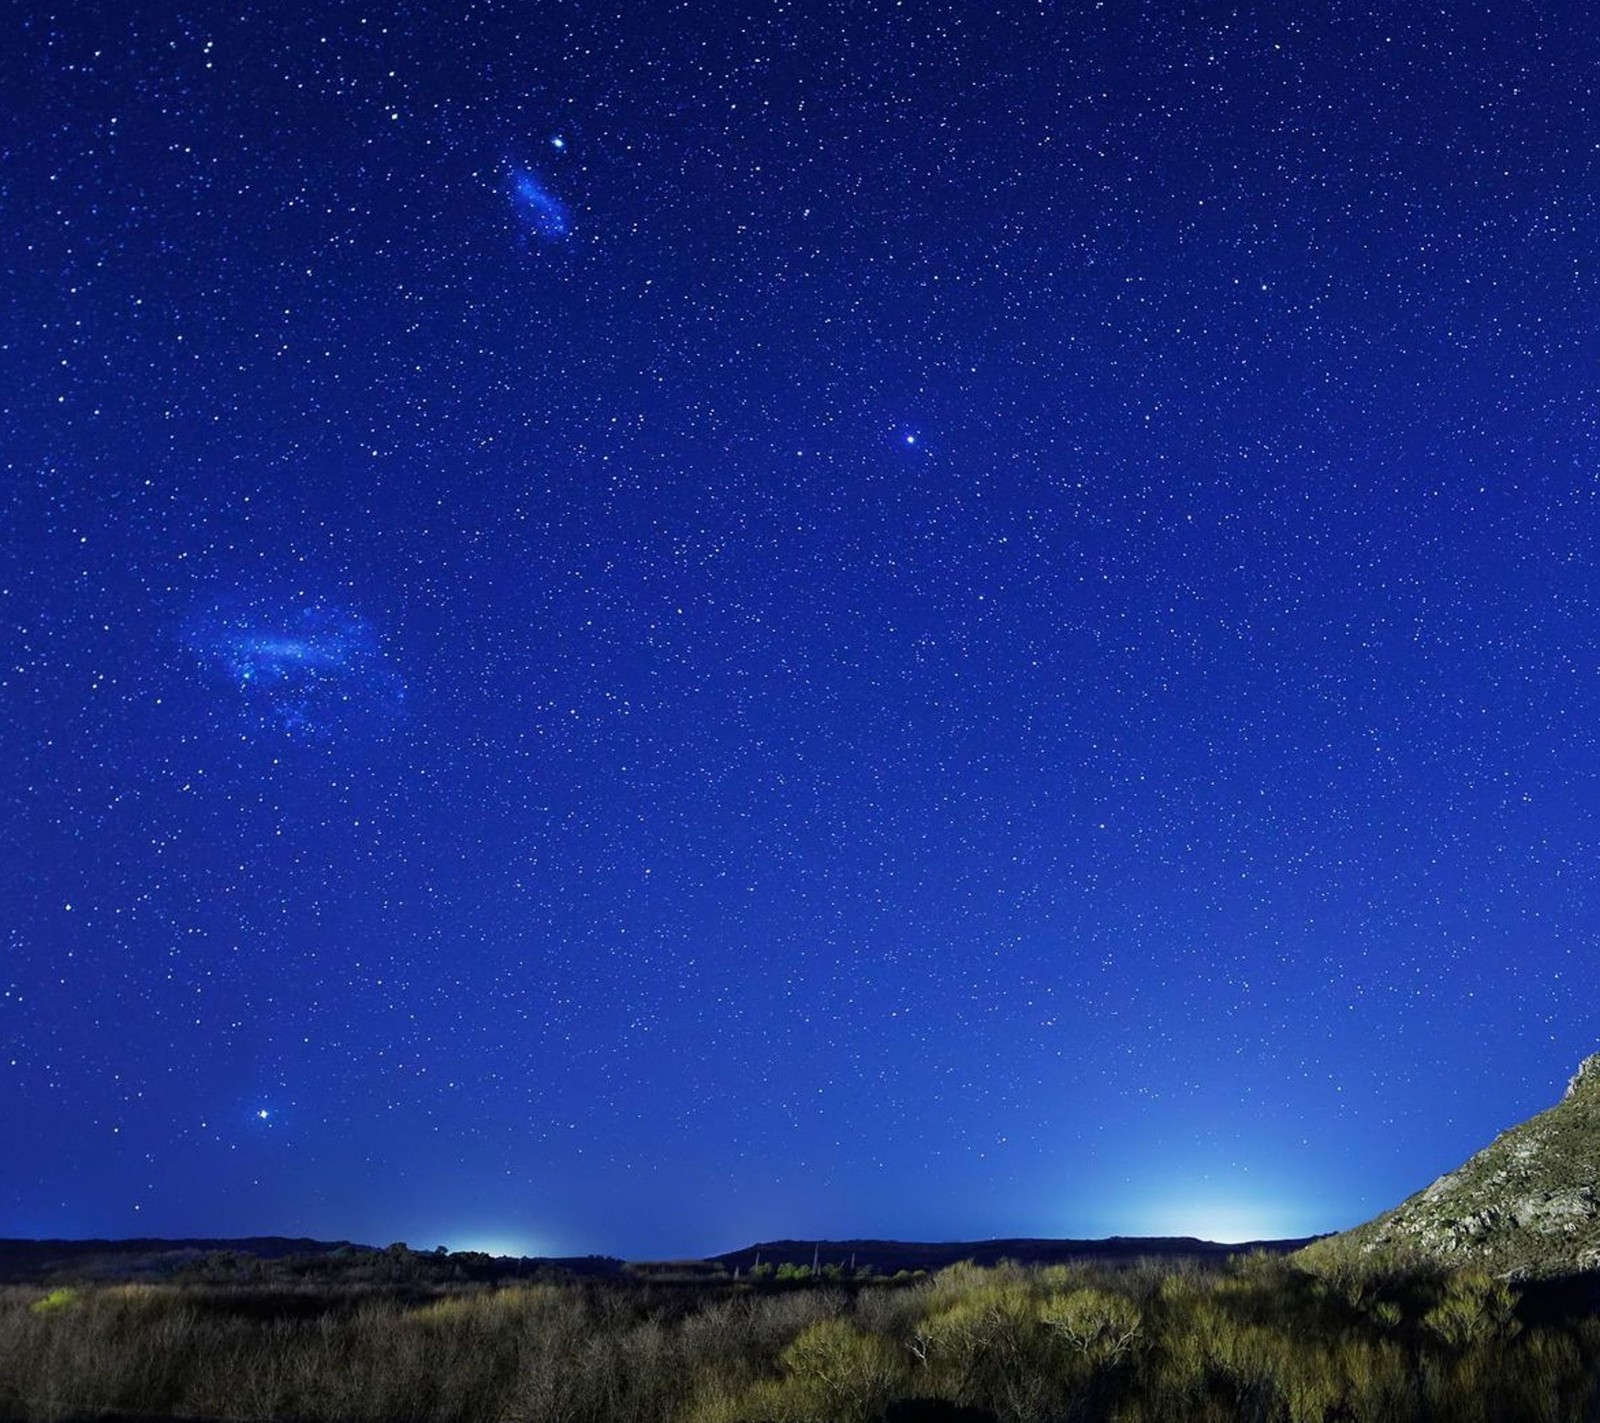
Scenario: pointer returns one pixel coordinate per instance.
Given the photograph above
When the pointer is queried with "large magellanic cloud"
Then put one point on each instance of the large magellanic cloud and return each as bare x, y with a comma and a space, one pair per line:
305, 669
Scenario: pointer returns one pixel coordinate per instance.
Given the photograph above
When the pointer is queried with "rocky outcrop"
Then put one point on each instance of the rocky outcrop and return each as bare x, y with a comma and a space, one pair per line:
1527, 1205
1586, 1078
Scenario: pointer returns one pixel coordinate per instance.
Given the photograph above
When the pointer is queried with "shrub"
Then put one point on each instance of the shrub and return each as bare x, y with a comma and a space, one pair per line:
56, 1301
840, 1372
1097, 1324
1475, 1307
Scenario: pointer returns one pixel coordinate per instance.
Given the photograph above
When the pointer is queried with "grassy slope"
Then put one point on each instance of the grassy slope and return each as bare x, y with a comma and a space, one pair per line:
1528, 1204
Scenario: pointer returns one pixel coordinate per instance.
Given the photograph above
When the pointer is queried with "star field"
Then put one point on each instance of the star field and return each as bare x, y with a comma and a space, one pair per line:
638, 629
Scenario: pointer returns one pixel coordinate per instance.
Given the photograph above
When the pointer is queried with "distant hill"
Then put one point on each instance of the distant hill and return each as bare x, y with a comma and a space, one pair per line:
1527, 1205
294, 1258
26, 1259
889, 1256
279, 1258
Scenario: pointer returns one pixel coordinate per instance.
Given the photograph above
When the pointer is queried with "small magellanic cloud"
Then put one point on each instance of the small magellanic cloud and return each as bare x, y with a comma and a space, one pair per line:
540, 213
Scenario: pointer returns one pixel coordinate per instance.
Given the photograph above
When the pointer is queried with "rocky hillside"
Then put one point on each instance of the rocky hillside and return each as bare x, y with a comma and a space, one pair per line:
1527, 1205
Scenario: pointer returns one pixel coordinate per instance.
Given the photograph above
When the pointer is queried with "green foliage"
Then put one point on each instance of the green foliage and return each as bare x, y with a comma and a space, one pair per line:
1100, 1325
1261, 1340
834, 1371
1475, 1308
58, 1299
981, 1344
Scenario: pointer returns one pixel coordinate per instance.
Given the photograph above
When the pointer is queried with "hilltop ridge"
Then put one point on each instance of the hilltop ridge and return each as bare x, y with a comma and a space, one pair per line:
888, 1256
1526, 1206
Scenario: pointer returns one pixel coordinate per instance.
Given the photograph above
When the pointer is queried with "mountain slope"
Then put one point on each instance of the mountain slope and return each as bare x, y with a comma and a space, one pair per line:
1527, 1205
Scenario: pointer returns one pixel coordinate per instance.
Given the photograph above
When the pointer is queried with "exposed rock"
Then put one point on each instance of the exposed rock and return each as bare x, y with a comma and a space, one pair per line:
1586, 1078
1527, 1205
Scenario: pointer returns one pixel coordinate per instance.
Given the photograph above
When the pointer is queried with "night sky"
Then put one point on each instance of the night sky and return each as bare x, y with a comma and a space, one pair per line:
634, 628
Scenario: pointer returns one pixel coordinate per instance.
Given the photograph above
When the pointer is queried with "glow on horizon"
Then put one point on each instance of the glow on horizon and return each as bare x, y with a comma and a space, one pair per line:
1223, 1219
515, 1246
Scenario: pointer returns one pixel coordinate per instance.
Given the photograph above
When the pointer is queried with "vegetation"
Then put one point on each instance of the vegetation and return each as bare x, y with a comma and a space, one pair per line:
1259, 1338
